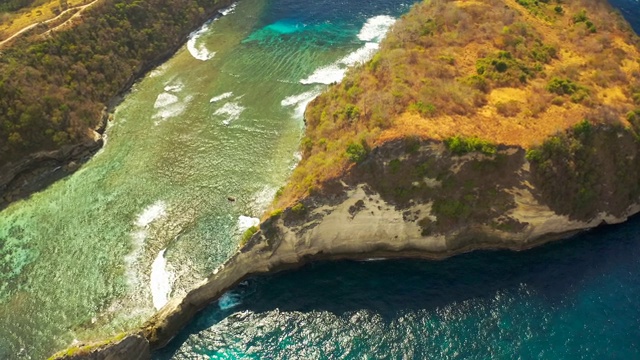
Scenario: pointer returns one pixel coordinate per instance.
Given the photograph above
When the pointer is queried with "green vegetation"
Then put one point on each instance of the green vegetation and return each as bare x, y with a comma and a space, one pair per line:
357, 152
460, 146
567, 87
471, 74
579, 168
247, 235
53, 89
86, 349
581, 17
299, 209
13, 5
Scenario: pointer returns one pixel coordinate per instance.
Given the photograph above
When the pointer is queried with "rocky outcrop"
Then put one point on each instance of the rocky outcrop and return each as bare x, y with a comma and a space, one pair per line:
21, 178
456, 204
129, 346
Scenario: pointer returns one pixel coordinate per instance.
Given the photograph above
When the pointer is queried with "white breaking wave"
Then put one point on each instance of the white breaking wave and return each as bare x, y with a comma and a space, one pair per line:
228, 10
372, 32
231, 111
221, 97
297, 157
229, 300
361, 55
169, 105
300, 101
174, 88
263, 198
199, 51
326, 75
160, 281
376, 28
245, 222
165, 99
151, 213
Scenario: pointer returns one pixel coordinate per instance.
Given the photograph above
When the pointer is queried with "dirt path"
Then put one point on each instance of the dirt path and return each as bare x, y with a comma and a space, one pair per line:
80, 8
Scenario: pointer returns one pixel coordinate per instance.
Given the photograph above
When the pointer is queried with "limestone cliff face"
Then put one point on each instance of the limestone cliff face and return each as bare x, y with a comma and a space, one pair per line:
479, 124
431, 203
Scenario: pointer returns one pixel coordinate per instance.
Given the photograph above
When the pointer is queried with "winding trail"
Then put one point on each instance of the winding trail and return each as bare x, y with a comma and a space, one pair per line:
80, 8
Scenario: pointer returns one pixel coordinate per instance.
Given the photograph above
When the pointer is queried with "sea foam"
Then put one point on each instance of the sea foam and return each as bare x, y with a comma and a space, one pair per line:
160, 281
230, 111
169, 105
221, 97
372, 32
245, 222
199, 51
229, 300
300, 101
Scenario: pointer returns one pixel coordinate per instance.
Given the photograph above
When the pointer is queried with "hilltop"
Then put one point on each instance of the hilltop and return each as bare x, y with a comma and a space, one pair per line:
479, 125
507, 72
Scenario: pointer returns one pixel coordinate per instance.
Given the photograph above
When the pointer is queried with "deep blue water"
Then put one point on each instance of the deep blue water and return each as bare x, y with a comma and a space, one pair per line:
575, 299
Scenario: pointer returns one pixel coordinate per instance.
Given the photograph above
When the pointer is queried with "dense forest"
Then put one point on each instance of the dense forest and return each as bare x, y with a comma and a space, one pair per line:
54, 87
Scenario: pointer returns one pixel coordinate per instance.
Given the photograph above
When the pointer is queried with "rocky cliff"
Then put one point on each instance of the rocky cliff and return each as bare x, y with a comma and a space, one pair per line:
493, 124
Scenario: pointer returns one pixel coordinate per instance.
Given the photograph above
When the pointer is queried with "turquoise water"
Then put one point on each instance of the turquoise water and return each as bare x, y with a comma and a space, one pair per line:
577, 299
149, 216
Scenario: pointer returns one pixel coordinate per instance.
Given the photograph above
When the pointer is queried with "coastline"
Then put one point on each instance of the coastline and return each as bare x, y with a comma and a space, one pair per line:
20, 179
259, 258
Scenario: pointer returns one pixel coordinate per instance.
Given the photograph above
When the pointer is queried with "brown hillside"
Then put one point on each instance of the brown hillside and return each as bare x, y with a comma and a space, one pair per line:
510, 72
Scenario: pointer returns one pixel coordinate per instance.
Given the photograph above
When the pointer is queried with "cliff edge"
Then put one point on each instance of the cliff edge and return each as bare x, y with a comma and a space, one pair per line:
479, 124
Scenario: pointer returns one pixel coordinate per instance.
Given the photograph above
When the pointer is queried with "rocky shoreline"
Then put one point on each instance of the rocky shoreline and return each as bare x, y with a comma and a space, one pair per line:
354, 221
35, 172
254, 260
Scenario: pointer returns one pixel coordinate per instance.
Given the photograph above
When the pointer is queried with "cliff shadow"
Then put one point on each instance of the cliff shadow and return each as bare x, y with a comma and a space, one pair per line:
552, 273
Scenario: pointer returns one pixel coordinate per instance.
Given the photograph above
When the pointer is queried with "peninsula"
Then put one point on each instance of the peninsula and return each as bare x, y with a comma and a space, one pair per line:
479, 124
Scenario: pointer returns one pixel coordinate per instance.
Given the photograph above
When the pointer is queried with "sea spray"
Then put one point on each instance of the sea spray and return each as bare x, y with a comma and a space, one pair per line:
245, 222
221, 97
230, 111
160, 281
300, 101
150, 214
372, 32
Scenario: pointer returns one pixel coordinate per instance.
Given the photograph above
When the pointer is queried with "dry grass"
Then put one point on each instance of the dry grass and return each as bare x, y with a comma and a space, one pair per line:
475, 69
14, 22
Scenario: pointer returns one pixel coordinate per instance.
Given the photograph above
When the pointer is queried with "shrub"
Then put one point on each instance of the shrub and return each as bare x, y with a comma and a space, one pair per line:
356, 152
426, 110
460, 146
247, 235
299, 209
563, 86
581, 16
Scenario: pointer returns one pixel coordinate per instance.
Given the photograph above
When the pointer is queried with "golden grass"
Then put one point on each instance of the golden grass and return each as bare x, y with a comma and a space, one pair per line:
16, 21
418, 82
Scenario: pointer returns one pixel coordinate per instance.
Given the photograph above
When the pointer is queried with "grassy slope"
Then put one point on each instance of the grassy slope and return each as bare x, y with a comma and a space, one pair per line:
508, 72
39, 11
